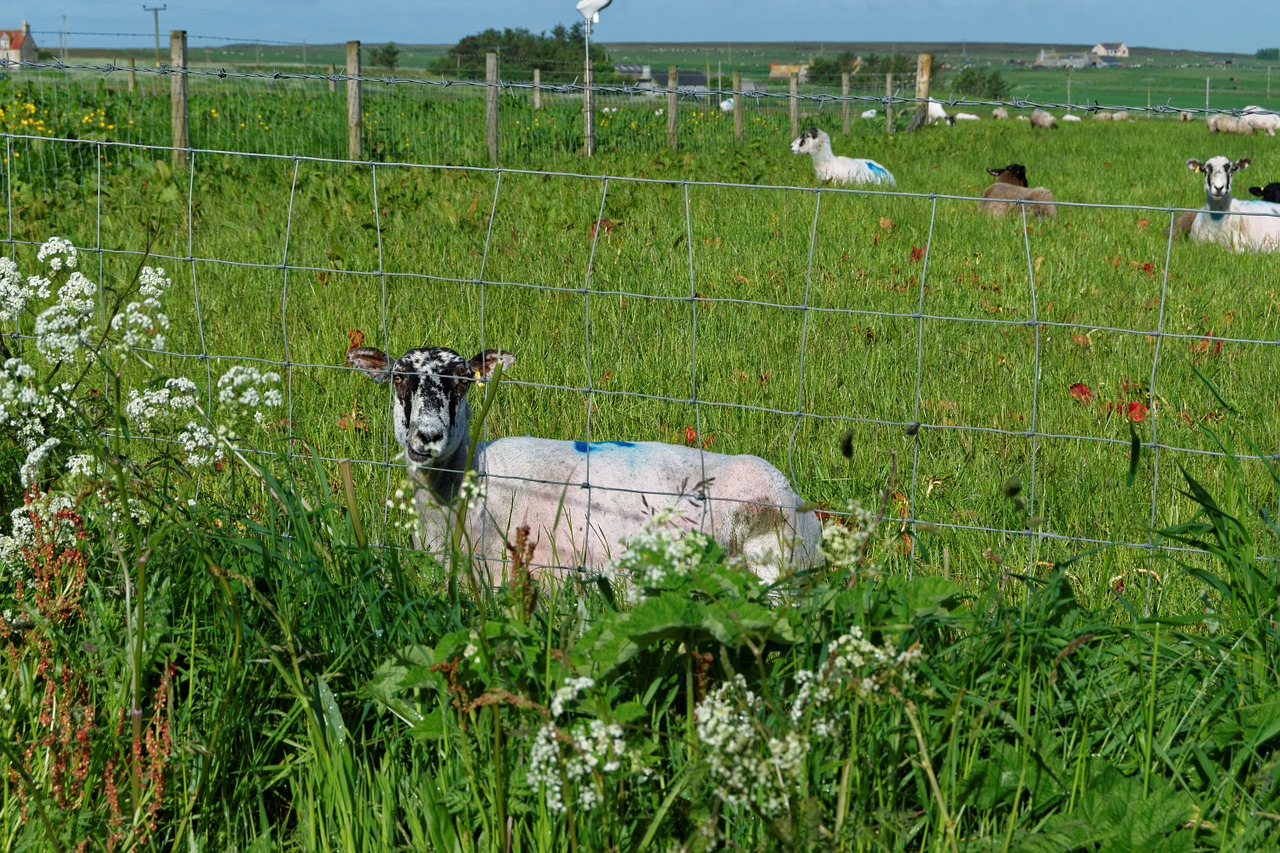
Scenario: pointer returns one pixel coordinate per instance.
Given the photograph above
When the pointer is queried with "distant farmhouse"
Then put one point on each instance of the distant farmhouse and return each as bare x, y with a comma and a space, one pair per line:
1053, 59
1112, 49
18, 46
688, 82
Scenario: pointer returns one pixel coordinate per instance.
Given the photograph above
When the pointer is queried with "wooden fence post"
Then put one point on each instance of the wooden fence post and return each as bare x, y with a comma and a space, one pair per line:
355, 104
588, 113
133, 75
737, 106
673, 107
888, 101
924, 73
795, 104
844, 104
491, 93
178, 90
333, 84
537, 88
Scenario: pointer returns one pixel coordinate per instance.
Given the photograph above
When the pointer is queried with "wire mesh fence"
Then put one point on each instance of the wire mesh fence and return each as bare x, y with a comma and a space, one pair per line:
646, 326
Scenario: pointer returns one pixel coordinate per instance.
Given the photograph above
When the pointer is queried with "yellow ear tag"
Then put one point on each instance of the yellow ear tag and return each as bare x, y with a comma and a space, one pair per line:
479, 382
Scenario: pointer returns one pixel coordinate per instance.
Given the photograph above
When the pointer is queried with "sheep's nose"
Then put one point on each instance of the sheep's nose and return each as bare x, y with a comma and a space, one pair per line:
429, 437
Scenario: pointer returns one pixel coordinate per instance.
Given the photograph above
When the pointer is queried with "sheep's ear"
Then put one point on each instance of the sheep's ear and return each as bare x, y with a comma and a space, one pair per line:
1194, 165
996, 172
1242, 163
812, 132
484, 364
372, 361
1255, 191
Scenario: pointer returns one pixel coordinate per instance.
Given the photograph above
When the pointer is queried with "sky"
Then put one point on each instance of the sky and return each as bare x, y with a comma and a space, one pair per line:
1169, 24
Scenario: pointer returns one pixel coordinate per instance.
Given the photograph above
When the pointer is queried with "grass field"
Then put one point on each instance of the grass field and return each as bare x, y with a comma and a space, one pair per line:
1076, 689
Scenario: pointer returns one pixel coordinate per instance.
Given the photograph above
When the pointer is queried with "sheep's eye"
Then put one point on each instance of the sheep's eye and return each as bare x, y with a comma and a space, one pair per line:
397, 379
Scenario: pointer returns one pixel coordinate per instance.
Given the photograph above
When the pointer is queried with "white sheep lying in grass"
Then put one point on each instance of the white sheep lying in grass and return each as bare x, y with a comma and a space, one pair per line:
1000, 113
1226, 220
839, 170
1260, 119
582, 501
1223, 123
1043, 118
1010, 188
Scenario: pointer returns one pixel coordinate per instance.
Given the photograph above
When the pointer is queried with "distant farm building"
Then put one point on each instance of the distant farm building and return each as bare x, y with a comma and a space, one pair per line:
18, 45
687, 81
783, 71
1111, 50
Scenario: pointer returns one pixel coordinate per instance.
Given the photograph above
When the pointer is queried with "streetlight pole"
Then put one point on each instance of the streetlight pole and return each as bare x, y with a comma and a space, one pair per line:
590, 11
155, 13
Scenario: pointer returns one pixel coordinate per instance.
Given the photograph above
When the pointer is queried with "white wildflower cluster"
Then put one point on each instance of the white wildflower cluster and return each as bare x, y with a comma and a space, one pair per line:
657, 553
203, 447
22, 536
59, 253
84, 466
29, 473
145, 409
473, 488
843, 542
24, 407
584, 756
401, 503
143, 324
63, 329
570, 691
747, 764
244, 387
15, 293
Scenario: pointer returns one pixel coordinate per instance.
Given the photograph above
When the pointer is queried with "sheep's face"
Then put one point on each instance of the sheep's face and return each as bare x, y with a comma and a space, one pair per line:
1217, 175
430, 384
812, 141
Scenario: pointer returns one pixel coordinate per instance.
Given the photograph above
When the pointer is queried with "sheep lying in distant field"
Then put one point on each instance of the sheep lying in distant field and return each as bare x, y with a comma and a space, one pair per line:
1042, 118
1271, 192
1223, 123
965, 117
1103, 115
1071, 117
581, 501
1121, 115
1186, 116
1010, 190
1261, 119
838, 170
869, 113
1000, 113
726, 106
1227, 220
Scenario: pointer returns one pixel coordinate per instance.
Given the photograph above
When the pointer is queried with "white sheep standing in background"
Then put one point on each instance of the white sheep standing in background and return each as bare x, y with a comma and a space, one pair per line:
1225, 219
1042, 118
839, 170
1010, 188
1260, 119
581, 501
935, 114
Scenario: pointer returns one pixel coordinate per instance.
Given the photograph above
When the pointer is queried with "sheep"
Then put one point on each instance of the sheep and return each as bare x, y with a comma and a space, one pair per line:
1120, 115
1103, 115
1223, 123
1071, 117
1041, 118
1000, 113
965, 117
839, 170
581, 501
1261, 119
1224, 219
1010, 188
935, 113
1185, 116
869, 113
1271, 192
726, 106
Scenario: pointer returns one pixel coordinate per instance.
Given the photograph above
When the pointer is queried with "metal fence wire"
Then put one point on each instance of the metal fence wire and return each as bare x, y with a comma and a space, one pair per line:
612, 335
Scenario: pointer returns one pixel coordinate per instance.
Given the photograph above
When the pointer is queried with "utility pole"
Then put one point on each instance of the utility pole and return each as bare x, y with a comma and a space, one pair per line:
155, 12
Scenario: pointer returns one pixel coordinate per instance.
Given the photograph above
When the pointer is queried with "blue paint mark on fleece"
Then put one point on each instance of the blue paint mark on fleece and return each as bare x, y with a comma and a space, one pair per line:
585, 447
877, 168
